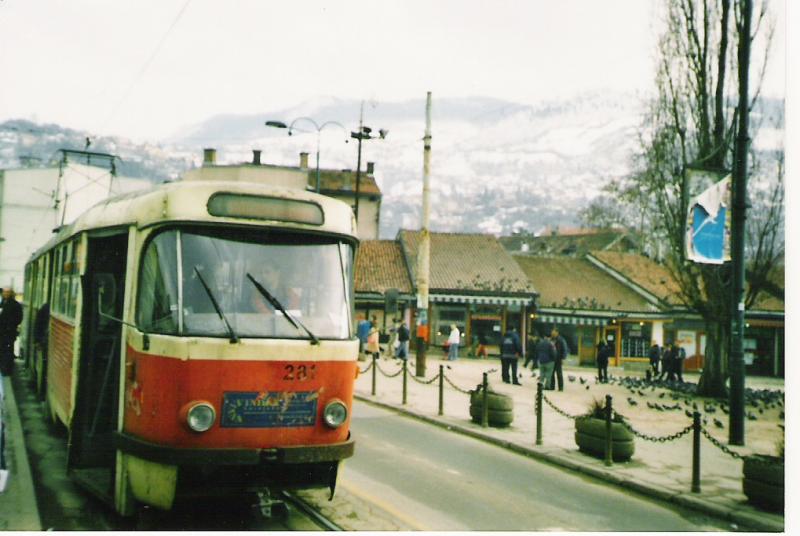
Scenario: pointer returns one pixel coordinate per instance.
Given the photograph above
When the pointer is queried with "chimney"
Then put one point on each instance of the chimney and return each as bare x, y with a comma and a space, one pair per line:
209, 157
370, 168
256, 157
303, 160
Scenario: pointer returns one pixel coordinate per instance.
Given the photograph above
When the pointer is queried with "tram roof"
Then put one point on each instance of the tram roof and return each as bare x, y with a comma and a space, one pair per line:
187, 201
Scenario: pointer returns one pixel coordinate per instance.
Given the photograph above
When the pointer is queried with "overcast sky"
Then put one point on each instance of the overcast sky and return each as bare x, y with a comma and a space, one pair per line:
146, 68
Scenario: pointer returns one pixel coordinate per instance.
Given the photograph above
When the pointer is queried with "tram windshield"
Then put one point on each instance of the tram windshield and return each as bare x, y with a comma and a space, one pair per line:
308, 276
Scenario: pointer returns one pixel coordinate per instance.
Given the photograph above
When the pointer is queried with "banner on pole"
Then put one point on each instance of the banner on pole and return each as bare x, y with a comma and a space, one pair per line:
708, 225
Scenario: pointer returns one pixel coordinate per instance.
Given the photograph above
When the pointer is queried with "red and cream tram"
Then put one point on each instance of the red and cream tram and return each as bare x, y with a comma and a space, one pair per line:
198, 340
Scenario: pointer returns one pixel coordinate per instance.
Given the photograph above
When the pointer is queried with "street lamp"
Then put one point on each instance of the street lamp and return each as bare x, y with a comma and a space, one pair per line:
364, 133
281, 124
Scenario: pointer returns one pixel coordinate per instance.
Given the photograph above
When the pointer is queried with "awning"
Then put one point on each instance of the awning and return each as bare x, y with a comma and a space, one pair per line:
482, 300
573, 320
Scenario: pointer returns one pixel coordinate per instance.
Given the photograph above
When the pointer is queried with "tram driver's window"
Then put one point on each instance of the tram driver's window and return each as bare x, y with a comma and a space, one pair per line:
157, 306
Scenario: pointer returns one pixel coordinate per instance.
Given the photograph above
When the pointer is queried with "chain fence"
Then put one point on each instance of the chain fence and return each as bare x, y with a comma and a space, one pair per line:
456, 387
424, 382
654, 439
394, 375
720, 446
364, 371
559, 410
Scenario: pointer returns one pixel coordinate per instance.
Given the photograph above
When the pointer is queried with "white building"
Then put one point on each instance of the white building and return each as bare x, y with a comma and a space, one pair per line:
36, 201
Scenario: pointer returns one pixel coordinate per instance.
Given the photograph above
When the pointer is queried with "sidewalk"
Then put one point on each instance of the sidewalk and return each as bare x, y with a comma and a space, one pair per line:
659, 470
18, 509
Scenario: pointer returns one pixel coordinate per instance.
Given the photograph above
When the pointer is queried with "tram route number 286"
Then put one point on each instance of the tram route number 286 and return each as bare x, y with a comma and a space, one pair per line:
299, 372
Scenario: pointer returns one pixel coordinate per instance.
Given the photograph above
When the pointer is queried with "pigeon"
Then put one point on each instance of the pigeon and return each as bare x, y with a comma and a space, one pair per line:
640, 393
582, 381
650, 405
689, 414
752, 417
662, 395
571, 378
724, 410
718, 424
782, 415
587, 387
632, 402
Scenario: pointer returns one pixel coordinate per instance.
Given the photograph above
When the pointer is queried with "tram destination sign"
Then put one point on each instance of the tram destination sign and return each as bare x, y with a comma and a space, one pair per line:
269, 409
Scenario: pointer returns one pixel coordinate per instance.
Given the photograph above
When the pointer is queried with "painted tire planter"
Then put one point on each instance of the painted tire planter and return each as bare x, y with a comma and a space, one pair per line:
501, 408
590, 436
763, 481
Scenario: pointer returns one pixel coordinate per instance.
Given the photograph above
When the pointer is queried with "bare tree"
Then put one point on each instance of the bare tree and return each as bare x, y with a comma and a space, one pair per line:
691, 124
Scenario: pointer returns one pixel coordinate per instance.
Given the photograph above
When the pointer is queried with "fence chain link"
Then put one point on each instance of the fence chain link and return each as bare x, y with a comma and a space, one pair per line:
655, 439
558, 410
396, 374
720, 446
369, 367
456, 387
424, 382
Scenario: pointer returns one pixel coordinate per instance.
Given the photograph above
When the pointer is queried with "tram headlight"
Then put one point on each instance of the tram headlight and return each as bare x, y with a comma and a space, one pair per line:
200, 416
335, 413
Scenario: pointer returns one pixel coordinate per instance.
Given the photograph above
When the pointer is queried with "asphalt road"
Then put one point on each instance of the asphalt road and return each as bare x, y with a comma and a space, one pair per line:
433, 479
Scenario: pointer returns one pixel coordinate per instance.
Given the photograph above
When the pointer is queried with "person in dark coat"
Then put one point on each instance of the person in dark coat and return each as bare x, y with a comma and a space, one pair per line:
10, 318
678, 357
530, 352
604, 352
561, 354
510, 351
546, 359
655, 356
668, 362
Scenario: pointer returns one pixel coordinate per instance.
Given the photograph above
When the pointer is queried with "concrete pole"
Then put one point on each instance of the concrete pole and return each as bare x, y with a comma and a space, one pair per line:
424, 249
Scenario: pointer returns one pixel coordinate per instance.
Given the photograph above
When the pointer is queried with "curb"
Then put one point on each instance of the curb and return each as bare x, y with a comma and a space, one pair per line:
20, 485
692, 502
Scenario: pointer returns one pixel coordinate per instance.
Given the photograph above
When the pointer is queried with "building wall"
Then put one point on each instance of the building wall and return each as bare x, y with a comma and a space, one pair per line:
277, 176
34, 201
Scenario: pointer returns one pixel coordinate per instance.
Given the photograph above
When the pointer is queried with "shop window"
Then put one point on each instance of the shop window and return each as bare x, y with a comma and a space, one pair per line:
636, 337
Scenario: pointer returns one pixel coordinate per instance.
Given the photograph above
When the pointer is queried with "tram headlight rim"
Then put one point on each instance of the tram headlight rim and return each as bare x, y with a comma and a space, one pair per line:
190, 413
330, 418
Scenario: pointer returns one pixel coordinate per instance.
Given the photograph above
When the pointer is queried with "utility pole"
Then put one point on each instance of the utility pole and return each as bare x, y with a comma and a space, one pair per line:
358, 162
739, 190
424, 248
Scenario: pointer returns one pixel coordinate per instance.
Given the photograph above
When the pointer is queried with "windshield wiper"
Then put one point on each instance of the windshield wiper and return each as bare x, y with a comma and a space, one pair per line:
217, 308
277, 305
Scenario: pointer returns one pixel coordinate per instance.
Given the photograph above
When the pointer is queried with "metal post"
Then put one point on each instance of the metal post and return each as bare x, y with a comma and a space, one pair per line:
696, 454
374, 373
738, 233
358, 164
539, 400
424, 250
609, 444
319, 131
405, 381
441, 389
485, 406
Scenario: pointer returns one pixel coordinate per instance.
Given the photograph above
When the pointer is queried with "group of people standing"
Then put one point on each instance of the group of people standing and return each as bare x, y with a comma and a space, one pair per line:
671, 359
369, 338
548, 353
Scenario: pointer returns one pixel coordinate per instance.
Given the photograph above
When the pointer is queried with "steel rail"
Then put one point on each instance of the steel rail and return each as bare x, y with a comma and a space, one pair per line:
311, 512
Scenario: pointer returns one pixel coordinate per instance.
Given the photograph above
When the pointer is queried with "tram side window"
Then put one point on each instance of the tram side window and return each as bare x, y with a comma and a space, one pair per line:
157, 310
74, 279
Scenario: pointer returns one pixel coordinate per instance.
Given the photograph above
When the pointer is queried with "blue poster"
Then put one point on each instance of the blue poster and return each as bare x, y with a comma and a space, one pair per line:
709, 233
268, 409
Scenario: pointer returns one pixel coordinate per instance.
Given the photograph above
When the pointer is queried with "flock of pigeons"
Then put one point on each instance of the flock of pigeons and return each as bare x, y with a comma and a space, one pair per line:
682, 394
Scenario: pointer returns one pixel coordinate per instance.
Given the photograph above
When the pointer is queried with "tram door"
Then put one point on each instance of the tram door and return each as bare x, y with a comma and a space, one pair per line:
92, 453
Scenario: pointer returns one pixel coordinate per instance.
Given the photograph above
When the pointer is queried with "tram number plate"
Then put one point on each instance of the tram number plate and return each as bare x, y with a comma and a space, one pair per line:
269, 409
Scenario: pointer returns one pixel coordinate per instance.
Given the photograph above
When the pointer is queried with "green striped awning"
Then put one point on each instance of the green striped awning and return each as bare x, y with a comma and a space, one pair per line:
483, 300
572, 320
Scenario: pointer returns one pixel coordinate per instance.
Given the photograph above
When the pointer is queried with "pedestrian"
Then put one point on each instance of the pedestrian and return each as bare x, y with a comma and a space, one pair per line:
482, 351
403, 336
561, 354
679, 356
530, 352
362, 331
667, 363
453, 341
545, 358
10, 318
604, 352
510, 352
655, 356
373, 339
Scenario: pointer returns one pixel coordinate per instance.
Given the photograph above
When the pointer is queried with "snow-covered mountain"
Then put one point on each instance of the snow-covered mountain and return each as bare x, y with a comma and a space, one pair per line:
496, 166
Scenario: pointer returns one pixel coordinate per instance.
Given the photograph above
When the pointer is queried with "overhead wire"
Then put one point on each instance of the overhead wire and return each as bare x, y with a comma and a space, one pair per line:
146, 64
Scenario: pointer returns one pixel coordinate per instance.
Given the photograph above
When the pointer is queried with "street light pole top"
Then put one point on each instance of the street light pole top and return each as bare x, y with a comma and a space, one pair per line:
365, 133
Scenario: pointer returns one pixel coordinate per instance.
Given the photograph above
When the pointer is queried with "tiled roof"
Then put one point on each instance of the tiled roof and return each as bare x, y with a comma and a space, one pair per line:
467, 263
648, 274
570, 283
576, 245
343, 181
380, 266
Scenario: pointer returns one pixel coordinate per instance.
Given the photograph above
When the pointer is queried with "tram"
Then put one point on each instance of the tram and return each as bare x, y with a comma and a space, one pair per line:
196, 338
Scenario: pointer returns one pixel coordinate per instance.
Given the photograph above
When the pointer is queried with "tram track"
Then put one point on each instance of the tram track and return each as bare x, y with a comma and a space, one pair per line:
312, 513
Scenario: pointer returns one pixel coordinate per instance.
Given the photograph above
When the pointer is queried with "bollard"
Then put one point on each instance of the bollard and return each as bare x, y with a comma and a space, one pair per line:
441, 389
374, 373
539, 400
696, 454
485, 408
405, 382
608, 453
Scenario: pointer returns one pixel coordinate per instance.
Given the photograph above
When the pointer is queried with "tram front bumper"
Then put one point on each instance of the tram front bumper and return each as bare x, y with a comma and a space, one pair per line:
304, 454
